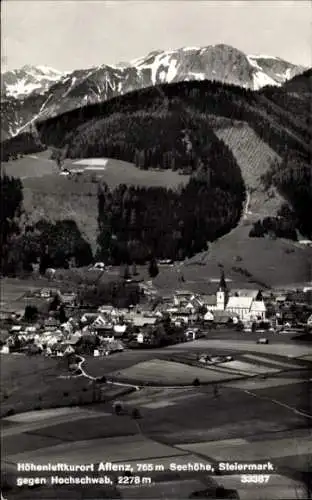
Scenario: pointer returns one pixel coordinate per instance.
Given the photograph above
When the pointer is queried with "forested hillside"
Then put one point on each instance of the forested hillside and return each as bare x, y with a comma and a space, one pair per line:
179, 127
167, 126
276, 126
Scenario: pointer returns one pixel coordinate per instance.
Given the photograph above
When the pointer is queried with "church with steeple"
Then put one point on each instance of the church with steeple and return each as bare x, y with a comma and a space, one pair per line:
239, 303
222, 294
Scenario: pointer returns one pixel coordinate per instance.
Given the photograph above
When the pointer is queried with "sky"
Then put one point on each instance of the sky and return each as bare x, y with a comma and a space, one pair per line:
69, 35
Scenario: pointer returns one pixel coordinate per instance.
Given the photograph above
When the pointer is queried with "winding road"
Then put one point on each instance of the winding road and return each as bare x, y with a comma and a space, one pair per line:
278, 348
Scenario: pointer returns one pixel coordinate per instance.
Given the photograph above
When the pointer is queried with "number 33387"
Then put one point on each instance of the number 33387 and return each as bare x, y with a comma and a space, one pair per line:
255, 478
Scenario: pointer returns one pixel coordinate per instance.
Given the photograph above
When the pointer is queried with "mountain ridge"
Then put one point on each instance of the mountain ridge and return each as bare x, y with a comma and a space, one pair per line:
99, 83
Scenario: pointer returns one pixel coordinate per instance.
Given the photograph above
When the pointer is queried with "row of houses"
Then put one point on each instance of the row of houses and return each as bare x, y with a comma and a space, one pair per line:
106, 328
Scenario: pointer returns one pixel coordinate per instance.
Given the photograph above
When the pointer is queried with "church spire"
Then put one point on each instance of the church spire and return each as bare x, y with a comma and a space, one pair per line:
222, 284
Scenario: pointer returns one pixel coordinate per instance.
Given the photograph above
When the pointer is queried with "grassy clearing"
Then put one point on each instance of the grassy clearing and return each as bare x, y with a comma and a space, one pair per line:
163, 372
47, 195
55, 197
121, 172
242, 451
33, 383
272, 262
234, 414
112, 449
93, 428
35, 165
118, 361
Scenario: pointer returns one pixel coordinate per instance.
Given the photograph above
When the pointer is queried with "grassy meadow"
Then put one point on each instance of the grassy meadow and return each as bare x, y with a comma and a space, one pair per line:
52, 196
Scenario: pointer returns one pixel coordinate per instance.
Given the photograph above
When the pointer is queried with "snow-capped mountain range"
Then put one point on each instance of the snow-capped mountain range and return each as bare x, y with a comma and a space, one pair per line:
22, 82
33, 93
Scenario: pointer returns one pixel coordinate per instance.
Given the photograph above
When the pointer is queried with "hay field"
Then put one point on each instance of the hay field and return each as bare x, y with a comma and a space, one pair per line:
115, 172
269, 262
54, 197
119, 449
279, 348
242, 450
33, 165
248, 368
158, 371
32, 383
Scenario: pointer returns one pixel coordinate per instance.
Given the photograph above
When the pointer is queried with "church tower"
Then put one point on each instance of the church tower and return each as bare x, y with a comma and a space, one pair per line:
222, 293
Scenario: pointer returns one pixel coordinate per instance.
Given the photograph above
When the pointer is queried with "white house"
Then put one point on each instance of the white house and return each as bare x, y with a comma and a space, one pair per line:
208, 316
140, 338
120, 329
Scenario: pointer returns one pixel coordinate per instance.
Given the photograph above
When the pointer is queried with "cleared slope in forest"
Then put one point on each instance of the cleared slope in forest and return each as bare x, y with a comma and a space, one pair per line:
254, 157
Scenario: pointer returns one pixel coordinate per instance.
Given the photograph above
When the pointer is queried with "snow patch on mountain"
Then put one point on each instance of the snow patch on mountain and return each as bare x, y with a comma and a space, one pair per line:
21, 87
50, 72
188, 49
172, 70
162, 76
254, 63
261, 79
262, 56
158, 60
20, 83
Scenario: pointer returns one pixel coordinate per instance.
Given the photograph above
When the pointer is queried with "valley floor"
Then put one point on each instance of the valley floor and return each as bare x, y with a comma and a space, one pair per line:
253, 421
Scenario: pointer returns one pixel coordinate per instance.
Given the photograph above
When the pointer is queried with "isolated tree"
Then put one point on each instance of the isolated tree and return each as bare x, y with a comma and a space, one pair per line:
118, 408
55, 303
136, 413
153, 268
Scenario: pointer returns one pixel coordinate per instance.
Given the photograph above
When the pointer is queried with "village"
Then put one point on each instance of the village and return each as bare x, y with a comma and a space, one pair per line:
66, 327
